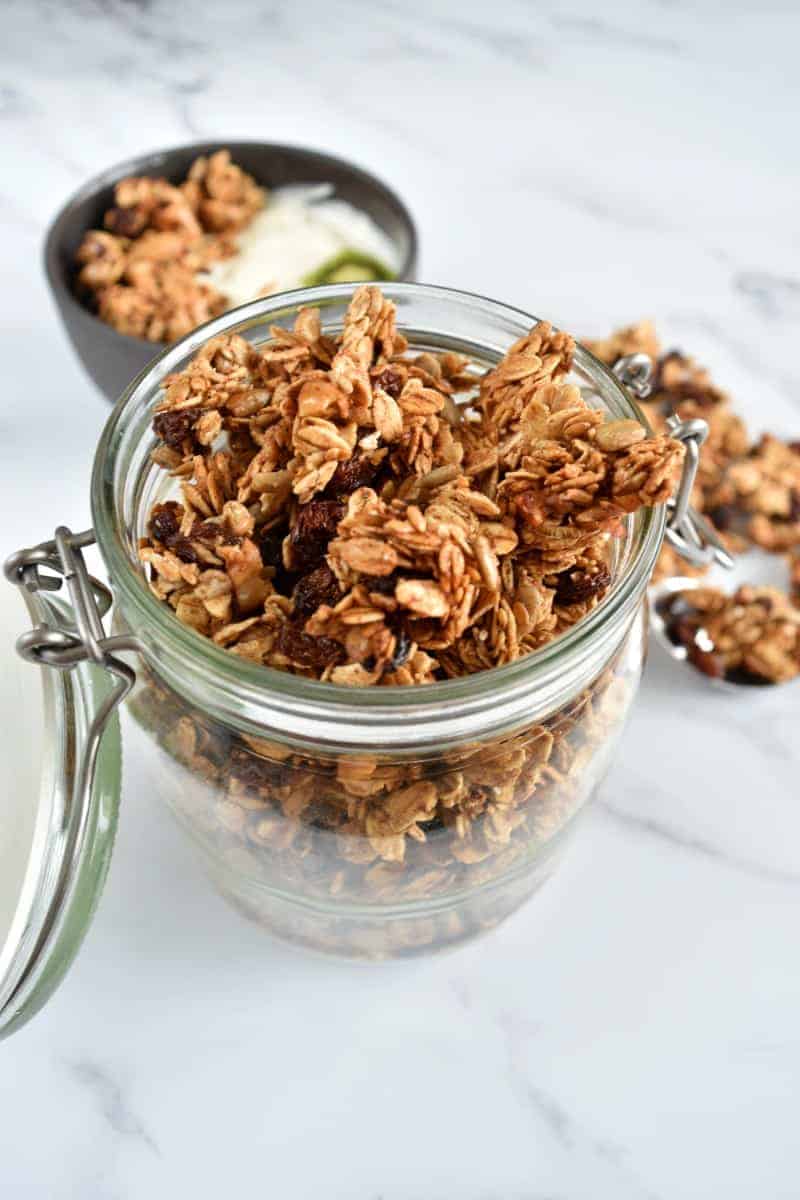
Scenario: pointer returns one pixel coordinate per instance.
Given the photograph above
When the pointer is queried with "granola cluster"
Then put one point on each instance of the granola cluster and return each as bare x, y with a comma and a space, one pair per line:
139, 272
752, 636
681, 387
750, 493
360, 515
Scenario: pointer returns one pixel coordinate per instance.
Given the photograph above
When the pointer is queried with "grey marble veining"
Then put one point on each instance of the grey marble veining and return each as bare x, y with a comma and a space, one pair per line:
683, 841
111, 1101
632, 1034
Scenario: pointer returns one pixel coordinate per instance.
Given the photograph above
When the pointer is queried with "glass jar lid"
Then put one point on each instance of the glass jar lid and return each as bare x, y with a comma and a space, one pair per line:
57, 821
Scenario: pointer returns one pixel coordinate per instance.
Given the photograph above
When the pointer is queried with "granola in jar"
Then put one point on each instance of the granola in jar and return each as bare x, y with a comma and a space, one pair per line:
366, 517
352, 511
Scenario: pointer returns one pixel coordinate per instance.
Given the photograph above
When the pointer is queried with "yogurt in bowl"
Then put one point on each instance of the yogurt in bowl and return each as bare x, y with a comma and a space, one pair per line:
302, 237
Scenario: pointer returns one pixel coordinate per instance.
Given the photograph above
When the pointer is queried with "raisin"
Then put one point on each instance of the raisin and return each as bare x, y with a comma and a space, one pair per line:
305, 650
685, 629
682, 629
351, 475
605, 487
435, 825
576, 586
270, 543
707, 661
165, 522
256, 772
208, 532
320, 815
174, 426
794, 505
723, 517
390, 382
743, 676
125, 222
402, 649
320, 586
316, 524
185, 550
384, 585
284, 581
241, 445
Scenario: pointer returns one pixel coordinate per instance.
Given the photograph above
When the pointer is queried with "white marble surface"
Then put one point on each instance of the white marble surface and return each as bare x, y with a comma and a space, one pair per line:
634, 1033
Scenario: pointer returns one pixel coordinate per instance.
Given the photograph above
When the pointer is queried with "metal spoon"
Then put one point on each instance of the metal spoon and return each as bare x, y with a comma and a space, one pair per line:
661, 596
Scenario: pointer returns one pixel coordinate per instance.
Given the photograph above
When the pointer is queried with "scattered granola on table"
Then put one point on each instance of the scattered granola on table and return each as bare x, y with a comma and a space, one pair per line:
750, 492
760, 495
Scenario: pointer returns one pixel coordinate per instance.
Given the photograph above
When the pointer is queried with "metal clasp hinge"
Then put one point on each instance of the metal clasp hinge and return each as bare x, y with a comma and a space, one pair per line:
43, 568
694, 537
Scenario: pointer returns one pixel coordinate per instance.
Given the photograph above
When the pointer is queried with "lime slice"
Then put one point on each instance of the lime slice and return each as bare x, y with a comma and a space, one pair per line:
349, 266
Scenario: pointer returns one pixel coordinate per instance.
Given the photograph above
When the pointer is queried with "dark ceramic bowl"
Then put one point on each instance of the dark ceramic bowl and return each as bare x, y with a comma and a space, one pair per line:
114, 359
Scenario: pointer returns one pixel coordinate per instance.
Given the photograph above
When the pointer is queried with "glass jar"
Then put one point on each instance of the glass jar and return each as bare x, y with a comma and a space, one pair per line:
370, 822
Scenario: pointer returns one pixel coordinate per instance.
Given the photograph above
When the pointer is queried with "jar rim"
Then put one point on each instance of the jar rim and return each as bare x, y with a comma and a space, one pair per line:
335, 702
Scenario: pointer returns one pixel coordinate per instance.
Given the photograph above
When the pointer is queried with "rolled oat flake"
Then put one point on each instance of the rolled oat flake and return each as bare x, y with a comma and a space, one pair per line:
57, 818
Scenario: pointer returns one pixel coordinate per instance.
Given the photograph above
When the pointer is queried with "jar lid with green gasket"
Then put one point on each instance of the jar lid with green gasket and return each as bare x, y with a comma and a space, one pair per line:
62, 791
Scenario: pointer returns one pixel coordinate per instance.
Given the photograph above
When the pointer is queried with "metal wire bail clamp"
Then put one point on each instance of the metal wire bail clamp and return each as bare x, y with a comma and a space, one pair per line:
691, 534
